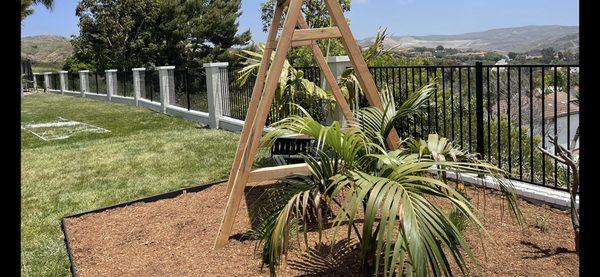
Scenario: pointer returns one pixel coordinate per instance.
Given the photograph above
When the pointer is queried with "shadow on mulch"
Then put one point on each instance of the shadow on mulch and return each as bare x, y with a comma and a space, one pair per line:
328, 260
538, 252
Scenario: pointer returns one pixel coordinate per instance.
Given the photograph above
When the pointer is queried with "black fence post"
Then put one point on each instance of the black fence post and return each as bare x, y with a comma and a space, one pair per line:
479, 106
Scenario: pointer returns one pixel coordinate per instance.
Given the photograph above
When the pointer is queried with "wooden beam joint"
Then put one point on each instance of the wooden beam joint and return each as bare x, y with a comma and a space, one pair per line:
317, 33
278, 173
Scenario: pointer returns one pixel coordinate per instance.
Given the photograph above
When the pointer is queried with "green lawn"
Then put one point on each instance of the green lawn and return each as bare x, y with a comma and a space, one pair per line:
145, 153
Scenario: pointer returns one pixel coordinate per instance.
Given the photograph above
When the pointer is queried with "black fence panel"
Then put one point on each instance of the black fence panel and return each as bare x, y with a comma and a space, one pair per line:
190, 89
239, 93
39, 81
97, 82
152, 83
74, 83
54, 81
125, 83
236, 99
519, 106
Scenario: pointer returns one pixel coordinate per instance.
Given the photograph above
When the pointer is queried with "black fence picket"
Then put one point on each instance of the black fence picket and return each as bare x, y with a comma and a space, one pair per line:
190, 89
125, 83
97, 82
152, 86
39, 81
74, 83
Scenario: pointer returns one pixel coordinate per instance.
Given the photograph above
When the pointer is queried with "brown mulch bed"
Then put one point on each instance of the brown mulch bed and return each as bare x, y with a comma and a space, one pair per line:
174, 237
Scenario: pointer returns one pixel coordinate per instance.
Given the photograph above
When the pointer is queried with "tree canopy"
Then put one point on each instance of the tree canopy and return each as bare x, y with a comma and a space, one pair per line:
315, 11
123, 34
317, 16
27, 10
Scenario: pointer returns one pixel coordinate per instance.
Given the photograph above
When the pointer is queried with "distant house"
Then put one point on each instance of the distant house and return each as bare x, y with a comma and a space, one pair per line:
567, 115
502, 62
533, 57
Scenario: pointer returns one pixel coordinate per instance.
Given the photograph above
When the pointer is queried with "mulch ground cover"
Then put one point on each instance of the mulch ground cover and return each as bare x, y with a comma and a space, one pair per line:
174, 237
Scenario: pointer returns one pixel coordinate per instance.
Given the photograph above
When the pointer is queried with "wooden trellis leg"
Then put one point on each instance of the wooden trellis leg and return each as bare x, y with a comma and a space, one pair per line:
358, 62
258, 123
257, 93
264, 91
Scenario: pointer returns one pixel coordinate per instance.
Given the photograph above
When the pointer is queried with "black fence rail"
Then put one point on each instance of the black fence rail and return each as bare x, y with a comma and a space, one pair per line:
190, 89
97, 82
502, 112
125, 83
74, 83
152, 86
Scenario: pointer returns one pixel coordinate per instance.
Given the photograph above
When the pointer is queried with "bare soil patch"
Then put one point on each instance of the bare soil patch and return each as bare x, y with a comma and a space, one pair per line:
174, 237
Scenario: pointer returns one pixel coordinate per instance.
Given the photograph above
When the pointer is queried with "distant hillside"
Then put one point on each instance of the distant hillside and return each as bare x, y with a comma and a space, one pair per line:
46, 51
520, 39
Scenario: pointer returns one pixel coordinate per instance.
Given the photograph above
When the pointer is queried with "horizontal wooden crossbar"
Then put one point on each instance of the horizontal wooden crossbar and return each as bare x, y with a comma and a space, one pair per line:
302, 43
317, 33
278, 172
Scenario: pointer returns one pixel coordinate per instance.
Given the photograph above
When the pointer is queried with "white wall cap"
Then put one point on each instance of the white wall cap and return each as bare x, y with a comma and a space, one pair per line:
338, 59
225, 64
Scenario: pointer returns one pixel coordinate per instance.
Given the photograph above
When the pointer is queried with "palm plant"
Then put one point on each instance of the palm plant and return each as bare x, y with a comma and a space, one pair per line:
355, 175
570, 158
27, 10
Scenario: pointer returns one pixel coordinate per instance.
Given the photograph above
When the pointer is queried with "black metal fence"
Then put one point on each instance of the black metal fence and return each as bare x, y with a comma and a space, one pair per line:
502, 112
97, 82
74, 83
54, 83
39, 81
239, 92
190, 89
26, 74
152, 86
125, 83
236, 99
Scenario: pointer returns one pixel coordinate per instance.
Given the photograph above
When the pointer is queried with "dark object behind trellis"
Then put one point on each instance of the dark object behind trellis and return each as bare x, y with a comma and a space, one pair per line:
287, 150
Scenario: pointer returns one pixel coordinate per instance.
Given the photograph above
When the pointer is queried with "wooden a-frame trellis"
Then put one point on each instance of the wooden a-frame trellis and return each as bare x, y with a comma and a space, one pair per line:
295, 33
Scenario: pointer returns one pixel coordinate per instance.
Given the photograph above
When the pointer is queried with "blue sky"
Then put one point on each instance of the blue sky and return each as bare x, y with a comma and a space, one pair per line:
402, 17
